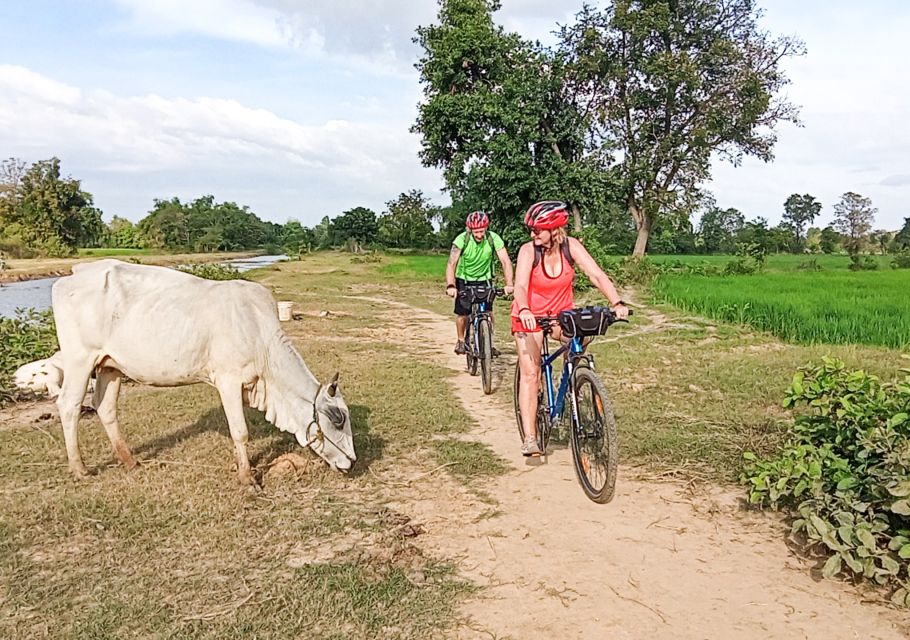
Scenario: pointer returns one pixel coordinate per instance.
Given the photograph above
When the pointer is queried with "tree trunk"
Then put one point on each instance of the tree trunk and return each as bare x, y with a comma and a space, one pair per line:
643, 223
576, 217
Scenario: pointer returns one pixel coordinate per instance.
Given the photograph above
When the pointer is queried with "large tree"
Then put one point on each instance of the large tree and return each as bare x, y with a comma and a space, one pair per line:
46, 211
407, 222
901, 240
829, 240
853, 217
357, 224
718, 229
800, 210
497, 120
669, 83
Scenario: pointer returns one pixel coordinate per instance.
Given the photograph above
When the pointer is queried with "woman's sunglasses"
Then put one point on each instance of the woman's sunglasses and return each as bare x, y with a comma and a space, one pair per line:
535, 231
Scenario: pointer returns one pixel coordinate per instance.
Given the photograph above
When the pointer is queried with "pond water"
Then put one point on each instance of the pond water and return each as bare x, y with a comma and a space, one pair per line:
37, 293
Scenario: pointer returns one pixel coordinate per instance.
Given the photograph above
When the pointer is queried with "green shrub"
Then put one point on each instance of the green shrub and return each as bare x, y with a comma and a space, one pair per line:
212, 271
28, 336
846, 472
863, 263
901, 260
742, 266
809, 265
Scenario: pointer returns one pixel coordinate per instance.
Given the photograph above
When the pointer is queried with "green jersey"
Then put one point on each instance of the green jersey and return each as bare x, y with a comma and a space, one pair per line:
476, 260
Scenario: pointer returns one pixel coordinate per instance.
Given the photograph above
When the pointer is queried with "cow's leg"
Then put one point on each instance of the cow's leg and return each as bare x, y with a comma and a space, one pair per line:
231, 393
69, 405
107, 389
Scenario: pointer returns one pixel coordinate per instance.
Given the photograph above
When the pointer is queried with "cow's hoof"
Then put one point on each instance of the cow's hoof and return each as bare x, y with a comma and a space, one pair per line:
80, 473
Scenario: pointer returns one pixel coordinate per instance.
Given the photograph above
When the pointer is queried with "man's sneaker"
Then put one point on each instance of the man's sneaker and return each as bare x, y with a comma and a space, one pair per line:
530, 448
459, 348
496, 352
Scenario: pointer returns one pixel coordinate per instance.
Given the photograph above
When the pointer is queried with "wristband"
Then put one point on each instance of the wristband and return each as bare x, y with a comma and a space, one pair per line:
450, 286
620, 302
524, 309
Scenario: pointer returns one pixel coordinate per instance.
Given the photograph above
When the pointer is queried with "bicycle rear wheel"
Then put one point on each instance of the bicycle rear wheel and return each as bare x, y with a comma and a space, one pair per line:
543, 413
469, 340
595, 443
485, 351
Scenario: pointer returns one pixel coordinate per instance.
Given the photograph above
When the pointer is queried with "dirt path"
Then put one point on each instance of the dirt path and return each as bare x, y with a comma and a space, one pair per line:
657, 562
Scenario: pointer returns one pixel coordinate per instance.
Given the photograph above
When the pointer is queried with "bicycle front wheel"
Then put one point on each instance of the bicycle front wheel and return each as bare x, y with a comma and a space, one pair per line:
469, 341
595, 443
485, 348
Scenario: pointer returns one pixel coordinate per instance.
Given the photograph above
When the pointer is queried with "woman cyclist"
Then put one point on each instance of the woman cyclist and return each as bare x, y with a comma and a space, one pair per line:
544, 276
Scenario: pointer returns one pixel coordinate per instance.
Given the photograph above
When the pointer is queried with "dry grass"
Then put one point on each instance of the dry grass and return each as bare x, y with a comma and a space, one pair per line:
176, 549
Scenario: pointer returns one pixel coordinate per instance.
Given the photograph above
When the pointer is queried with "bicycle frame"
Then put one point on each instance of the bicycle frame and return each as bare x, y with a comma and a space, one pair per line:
556, 399
478, 312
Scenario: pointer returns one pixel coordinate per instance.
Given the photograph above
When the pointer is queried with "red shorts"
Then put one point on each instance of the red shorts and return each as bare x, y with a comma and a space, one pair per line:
517, 327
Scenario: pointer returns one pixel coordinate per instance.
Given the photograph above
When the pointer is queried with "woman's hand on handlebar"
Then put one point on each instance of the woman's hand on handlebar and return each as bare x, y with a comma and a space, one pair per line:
621, 311
528, 320
509, 289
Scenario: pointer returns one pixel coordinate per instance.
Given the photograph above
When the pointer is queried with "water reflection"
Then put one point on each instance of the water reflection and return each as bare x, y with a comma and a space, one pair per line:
37, 293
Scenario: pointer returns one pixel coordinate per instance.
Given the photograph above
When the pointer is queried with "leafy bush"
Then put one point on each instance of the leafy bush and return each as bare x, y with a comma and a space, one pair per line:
751, 259
212, 271
809, 265
28, 336
741, 267
901, 260
846, 472
863, 263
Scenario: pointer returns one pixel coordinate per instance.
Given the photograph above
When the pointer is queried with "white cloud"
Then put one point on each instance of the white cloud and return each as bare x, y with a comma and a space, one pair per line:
219, 144
239, 20
375, 35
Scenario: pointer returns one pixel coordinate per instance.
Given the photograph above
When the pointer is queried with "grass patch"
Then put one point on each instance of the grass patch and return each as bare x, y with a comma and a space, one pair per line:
469, 460
423, 266
694, 396
144, 554
826, 307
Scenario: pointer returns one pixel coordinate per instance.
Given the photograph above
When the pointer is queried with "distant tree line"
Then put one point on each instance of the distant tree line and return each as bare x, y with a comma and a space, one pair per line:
44, 213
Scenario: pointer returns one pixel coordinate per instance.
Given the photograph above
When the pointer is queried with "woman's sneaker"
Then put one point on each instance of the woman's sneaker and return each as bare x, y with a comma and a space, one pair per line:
459, 348
530, 448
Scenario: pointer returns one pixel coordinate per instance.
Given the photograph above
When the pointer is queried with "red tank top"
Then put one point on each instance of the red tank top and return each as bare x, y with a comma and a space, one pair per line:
548, 295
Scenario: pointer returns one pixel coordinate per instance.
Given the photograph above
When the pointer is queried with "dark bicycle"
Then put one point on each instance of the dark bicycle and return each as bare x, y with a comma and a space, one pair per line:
478, 337
592, 432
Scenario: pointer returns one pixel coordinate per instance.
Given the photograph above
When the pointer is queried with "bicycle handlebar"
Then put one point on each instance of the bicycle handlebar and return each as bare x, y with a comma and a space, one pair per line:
546, 322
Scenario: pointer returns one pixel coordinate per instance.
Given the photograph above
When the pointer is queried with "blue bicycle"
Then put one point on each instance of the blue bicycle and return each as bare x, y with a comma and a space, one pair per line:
592, 430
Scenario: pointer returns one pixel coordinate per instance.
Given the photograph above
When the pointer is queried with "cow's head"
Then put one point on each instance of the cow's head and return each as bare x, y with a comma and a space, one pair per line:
38, 377
329, 431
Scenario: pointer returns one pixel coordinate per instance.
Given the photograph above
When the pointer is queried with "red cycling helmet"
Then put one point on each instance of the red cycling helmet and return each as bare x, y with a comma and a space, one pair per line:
549, 214
477, 220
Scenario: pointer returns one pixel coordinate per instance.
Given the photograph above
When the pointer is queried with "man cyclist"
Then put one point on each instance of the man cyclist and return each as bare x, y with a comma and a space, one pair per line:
471, 263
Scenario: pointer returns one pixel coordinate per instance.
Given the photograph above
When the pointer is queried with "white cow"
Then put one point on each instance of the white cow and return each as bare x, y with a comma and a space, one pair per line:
41, 376
165, 328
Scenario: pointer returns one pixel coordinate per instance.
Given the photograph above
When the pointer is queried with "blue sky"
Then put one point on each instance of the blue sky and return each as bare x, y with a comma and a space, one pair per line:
301, 109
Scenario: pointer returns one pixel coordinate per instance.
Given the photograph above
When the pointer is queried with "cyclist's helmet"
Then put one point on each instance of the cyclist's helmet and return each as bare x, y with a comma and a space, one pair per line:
549, 214
477, 220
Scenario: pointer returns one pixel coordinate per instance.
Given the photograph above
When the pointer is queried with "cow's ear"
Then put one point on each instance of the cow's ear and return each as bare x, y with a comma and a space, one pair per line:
332, 388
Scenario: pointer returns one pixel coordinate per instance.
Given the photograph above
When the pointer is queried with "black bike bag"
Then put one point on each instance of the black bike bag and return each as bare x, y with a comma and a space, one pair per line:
586, 321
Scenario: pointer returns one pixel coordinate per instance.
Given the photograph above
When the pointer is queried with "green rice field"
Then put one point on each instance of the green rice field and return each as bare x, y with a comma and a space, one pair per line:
839, 307
832, 305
